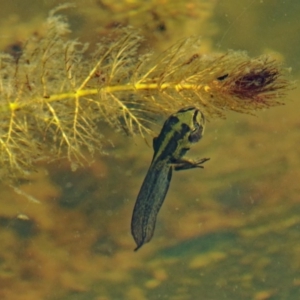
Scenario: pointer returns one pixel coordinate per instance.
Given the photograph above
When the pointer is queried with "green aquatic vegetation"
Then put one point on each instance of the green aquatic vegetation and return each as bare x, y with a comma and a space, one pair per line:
55, 93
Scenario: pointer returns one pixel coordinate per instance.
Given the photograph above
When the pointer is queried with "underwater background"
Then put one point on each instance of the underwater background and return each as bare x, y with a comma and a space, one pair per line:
229, 231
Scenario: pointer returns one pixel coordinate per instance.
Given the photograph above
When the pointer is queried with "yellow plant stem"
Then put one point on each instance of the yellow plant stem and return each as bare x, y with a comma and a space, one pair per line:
110, 89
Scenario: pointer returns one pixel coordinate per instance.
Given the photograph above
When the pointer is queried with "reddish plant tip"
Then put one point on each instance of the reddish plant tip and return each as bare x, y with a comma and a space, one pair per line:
250, 84
255, 83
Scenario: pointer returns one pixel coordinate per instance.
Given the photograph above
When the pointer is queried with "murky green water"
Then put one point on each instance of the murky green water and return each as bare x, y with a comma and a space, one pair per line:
230, 231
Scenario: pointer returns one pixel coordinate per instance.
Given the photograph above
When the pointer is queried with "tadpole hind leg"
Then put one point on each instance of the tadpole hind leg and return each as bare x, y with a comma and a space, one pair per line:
186, 164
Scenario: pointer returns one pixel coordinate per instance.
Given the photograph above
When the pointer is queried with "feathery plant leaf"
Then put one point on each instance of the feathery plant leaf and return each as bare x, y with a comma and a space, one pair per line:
53, 94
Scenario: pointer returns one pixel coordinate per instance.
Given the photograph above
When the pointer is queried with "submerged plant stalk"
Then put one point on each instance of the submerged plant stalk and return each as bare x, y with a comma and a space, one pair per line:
53, 94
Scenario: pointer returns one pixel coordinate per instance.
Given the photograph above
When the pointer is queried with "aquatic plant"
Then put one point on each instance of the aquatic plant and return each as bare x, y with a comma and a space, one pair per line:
54, 93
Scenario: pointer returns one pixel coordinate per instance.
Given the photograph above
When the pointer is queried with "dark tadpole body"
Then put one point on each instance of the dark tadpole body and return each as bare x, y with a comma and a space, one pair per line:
179, 132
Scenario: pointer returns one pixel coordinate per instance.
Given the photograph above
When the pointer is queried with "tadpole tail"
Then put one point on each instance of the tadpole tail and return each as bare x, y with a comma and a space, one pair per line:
149, 201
